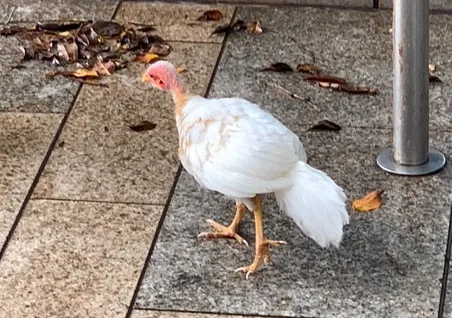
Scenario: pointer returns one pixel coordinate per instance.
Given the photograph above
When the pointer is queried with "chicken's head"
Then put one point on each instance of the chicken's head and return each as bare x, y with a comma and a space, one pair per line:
162, 75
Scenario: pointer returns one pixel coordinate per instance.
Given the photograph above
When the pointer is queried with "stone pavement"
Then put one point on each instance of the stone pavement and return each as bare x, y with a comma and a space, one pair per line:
99, 221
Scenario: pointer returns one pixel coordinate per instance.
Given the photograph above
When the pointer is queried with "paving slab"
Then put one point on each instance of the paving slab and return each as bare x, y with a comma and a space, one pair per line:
101, 158
352, 44
341, 3
389, 263
59, 10
24, 141
71, 259
176, 22
170, 314
26, 89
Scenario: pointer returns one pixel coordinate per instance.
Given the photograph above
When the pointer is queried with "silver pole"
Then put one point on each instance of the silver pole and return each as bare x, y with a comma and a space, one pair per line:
410, 154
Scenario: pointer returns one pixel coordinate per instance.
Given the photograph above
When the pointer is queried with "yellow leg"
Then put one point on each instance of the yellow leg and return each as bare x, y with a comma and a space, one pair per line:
230, 231
262, 252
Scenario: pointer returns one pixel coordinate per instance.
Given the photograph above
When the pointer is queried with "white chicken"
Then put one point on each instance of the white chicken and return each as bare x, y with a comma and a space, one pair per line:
232, 146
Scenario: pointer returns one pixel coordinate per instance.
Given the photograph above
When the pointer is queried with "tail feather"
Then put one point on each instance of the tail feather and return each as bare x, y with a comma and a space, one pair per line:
316, 204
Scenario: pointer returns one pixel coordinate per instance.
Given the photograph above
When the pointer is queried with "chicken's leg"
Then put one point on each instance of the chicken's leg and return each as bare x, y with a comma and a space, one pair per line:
262, 252
227, 231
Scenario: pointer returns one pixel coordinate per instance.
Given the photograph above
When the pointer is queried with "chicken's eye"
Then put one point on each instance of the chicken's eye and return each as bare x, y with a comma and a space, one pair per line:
151, 76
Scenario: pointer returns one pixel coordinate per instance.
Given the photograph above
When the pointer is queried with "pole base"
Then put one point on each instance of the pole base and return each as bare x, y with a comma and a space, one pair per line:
436, 162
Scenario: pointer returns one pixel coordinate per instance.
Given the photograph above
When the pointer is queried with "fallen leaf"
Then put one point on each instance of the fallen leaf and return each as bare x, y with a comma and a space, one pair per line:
104, 69
107, 28
211, 15
278, 67
161, 49
369, 202
181, 69
432, 67
355, 89
61, 52
255, 27
147, 58
325, 79
59, 27
229, 28
85, 73
143, 126
28, 53
434, 79
308, 68
325, 125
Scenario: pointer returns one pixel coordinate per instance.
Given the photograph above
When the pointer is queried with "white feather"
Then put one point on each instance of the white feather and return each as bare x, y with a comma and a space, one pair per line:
234, 147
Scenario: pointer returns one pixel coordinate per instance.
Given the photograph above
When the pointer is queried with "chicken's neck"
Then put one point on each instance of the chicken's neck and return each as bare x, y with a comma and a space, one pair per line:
179, 97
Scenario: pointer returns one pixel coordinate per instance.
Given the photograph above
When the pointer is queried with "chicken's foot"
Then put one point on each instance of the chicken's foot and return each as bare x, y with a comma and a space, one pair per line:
262, 251
230, 231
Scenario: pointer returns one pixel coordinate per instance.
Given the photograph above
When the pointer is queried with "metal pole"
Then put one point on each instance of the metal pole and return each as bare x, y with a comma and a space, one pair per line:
410, 154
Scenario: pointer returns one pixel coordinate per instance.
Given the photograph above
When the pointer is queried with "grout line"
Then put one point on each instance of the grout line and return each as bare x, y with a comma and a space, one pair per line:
118, 7
38, 174
173, 188
215, 313
447, 256
96, 201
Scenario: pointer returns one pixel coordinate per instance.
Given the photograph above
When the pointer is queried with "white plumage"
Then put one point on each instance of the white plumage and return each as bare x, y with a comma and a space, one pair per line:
232, 146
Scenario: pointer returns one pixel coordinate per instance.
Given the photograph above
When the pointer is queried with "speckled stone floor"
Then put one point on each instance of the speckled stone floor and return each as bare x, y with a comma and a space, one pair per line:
99, 221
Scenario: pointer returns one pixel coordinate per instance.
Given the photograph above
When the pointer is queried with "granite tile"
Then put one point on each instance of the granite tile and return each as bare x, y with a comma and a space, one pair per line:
71, 259
176, 22
9, 207
101, 158
360, 50
169, 314
28, 90
388, 265
47, 10
24, 140
339, 3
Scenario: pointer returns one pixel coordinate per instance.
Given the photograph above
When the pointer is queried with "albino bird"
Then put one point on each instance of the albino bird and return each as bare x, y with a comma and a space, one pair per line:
232, 146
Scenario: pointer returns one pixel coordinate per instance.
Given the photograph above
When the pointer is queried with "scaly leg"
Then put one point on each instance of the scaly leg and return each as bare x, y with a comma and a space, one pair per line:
262, 252
230, 231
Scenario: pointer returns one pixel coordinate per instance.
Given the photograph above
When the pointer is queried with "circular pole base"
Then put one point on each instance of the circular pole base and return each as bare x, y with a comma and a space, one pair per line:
436, 162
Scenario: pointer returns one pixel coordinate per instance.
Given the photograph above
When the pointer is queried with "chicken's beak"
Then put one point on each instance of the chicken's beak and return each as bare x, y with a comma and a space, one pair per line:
145, 78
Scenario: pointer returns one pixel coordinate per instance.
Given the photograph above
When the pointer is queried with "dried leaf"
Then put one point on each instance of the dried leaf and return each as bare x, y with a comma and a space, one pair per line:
356, 89
255, 27
238, 25
104, 69
325, 79
434, 79
432, 67
28, 53
72, 50
85, 73
278, 67
61, 52
211, 15
143, 126
325, 125
161, 49
308, 68
147, 58
12, 30
59, 27
369, 202
107, 28
181, 69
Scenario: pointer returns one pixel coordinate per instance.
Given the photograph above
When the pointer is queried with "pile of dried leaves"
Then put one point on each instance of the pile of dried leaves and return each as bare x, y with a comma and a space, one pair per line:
90, 49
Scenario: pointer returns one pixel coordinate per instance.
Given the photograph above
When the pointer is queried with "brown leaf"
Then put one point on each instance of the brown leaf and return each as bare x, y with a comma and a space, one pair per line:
229, 28
61, 52
147, 58
211, 15
434, 79
72, 50
28, 53
107, 28
255, 27
369, 202
12, 30
104, 69
59, 27
143, 126
325, 125
161, 49
85, 73
278, 67
308, 68
325, 79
